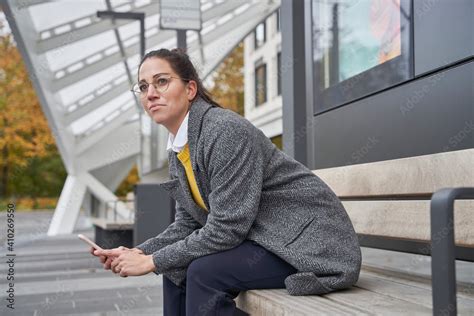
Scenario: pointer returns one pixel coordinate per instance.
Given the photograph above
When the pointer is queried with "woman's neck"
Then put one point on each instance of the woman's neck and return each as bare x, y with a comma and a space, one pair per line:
173, 129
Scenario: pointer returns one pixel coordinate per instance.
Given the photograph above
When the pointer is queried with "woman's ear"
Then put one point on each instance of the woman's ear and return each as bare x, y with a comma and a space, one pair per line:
191, 90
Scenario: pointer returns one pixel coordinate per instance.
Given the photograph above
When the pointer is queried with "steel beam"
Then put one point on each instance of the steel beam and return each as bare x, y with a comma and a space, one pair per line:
88, 141
79, 33
68, 207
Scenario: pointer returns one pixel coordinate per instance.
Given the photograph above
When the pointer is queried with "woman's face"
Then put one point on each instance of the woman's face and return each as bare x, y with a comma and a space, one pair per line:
168, 107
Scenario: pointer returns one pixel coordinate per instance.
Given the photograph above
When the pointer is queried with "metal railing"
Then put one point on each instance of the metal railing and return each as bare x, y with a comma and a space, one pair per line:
111, 213
443, 264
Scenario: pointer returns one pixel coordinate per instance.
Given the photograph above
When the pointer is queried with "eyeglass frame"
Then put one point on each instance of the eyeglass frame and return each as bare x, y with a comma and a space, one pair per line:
157, 76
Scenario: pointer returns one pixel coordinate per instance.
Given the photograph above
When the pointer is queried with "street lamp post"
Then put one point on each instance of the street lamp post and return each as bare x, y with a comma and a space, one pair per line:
140, 16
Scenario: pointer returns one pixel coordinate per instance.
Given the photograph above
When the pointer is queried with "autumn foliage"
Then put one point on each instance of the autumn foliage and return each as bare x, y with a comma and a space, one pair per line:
29, 162
30, 166
228, 88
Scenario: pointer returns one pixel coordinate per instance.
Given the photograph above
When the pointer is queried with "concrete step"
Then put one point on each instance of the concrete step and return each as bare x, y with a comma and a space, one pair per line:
57, 276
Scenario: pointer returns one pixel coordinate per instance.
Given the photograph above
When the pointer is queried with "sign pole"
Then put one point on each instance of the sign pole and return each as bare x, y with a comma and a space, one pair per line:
182, 39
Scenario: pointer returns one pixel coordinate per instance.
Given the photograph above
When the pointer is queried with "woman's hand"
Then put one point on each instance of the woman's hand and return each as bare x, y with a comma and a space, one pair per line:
107, 260
127, 262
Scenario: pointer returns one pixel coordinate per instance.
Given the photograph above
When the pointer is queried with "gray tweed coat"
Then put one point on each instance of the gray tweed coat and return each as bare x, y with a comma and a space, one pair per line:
254, 191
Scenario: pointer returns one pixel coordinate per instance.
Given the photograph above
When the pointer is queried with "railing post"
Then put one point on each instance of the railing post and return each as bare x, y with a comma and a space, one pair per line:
115, 210
443, 269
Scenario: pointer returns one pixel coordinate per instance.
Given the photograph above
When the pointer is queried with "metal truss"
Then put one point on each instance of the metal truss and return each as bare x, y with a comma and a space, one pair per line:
97, 136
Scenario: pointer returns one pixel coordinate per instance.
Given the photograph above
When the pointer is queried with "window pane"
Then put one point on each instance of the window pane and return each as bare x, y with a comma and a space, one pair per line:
260, 84
360, 47
260, 35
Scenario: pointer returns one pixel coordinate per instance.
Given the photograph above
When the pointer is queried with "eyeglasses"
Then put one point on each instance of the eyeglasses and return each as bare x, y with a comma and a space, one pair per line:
160, 84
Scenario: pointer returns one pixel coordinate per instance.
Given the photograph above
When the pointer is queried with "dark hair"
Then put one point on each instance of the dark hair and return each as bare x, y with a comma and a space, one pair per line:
182, 65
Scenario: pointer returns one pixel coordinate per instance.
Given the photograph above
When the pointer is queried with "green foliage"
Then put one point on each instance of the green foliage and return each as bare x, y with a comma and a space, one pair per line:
42, 177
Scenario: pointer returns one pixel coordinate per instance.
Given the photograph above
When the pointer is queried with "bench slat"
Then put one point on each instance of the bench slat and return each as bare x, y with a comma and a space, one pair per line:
408, 219
402, 287
410, 292
279, 303
356, 301
377, 303
464, 288
422, 175
375, 293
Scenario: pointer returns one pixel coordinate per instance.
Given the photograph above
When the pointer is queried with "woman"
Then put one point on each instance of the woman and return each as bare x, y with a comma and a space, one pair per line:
247, 215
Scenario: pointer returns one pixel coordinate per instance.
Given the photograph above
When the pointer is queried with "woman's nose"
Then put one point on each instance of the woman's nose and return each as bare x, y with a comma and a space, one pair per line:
151, 92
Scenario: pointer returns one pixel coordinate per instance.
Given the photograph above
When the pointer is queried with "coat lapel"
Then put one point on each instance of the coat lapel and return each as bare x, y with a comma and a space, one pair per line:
196, 117
196, 114
178, 188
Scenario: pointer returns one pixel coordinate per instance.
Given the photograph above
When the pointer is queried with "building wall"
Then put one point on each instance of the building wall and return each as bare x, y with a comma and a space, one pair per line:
266, 116
430, 112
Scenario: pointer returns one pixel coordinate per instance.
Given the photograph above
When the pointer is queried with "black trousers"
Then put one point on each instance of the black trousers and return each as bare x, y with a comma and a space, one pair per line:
213, 281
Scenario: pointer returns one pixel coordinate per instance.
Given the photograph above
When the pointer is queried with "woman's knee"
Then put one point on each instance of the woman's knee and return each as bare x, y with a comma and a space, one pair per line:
204, 268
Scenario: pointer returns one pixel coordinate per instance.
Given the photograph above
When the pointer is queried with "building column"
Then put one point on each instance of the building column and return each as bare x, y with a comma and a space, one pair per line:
69, 205
296, 117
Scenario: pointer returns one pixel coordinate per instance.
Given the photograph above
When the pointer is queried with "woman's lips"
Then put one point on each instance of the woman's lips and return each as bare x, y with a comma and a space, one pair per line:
154, 107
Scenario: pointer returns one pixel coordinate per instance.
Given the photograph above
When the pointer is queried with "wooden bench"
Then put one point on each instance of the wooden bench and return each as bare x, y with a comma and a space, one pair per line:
402, 205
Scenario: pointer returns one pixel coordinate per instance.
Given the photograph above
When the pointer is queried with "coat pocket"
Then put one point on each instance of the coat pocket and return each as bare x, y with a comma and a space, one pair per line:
174, 190
299, 230
170, 185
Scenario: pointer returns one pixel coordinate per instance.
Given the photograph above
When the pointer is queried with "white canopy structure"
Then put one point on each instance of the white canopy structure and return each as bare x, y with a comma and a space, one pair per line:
82, 68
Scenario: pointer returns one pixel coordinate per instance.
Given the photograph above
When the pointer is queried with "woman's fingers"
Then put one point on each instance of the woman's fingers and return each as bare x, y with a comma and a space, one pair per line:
118, 268
102, 259
108, 263
109, 257
123, 273
115, 252
114, 264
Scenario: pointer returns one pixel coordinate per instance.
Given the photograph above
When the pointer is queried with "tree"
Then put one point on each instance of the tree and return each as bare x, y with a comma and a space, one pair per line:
27, 148
228, 88
128, 183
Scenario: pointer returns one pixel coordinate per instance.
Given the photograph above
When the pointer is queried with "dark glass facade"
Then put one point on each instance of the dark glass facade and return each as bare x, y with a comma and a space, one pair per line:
359, 48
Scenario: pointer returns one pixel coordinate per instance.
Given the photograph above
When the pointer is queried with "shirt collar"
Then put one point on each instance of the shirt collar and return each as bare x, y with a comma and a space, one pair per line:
177, 143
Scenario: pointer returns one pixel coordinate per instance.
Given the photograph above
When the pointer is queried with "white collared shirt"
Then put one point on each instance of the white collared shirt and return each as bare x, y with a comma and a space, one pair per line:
177, 143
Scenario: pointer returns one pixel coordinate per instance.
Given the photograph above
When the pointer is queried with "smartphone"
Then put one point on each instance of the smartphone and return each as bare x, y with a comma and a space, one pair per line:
89, 242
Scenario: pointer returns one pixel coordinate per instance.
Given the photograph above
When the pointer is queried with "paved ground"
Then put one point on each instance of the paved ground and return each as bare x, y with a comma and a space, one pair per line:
57, 275
28, 226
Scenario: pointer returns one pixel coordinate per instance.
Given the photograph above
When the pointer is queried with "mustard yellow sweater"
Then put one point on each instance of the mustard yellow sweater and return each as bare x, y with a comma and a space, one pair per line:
185, 159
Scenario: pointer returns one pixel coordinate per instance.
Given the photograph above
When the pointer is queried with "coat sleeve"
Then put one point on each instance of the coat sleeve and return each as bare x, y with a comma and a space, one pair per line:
182, 226
235, 167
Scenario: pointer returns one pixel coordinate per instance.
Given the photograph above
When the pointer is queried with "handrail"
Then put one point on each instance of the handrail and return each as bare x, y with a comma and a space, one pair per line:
114, 208
443, 265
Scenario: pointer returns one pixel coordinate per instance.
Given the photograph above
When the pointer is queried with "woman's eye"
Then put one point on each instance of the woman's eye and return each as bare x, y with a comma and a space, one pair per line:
162, 81
143, 87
